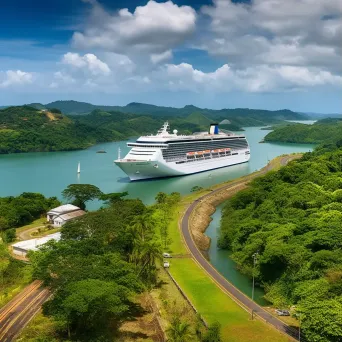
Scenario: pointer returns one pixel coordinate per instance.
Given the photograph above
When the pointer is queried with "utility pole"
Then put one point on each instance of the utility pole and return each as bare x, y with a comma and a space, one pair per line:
255, 260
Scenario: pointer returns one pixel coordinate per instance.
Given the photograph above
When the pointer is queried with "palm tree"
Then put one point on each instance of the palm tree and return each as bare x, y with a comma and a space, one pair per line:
142, 226
179, 331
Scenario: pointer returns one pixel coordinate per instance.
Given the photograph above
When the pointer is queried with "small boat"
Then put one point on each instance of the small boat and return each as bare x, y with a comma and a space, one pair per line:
101, 151
79, 167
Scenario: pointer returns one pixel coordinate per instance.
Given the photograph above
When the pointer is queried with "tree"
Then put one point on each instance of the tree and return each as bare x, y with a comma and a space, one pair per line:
179, 331
213, 333
9, 235
79, 194
161, 197
196, 188
113, 198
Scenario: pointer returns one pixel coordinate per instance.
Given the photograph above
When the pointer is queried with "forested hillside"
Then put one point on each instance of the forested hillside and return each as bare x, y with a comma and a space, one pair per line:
238, 116
26, 129
293, 219
325, 130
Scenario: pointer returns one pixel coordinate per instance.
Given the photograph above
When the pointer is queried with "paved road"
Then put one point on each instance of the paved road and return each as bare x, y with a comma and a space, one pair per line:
16, 314
218, 278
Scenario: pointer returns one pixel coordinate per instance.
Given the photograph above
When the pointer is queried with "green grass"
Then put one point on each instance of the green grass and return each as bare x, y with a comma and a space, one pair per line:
214, 305
36, 223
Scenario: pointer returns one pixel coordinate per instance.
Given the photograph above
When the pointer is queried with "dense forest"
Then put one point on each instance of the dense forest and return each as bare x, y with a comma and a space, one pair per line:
293, 219
238, 116
37, 129
25, 129
103, 261
322, 131
23, 209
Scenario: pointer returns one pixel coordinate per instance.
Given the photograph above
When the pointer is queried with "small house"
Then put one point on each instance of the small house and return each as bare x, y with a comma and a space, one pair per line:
62, 214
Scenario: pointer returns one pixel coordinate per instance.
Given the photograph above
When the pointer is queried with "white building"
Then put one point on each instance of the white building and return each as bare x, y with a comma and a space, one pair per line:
58, 216
21, 248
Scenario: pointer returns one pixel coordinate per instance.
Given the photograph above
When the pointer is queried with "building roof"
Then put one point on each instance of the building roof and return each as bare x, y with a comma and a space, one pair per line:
72, 215
65, 208
34, 244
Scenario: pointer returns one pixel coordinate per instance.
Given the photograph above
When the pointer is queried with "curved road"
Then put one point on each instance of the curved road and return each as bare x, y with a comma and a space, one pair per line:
240, 297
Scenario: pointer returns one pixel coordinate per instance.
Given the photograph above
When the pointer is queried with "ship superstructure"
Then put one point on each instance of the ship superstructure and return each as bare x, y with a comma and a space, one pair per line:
169, 154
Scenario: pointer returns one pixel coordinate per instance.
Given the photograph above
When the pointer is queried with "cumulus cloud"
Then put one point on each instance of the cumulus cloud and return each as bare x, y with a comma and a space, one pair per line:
294, 32
15, 78
152, 29
253, 79
161, 57
89, 62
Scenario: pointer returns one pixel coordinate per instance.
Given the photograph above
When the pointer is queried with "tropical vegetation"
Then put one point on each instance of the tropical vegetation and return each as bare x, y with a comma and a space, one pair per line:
322, 131
293, 219
102, 262
24, 209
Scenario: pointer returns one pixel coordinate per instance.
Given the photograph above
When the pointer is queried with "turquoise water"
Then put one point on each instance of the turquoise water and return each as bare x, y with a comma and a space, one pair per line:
221, 260
51, 172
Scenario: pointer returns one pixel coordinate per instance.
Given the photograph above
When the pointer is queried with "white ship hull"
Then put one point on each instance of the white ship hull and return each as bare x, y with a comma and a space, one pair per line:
157, 168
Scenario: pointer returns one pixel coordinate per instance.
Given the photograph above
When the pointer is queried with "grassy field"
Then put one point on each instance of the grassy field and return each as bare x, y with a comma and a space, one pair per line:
214, 305
37, 223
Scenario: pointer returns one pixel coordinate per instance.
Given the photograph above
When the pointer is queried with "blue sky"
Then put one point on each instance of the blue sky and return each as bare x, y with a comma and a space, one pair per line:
212, 53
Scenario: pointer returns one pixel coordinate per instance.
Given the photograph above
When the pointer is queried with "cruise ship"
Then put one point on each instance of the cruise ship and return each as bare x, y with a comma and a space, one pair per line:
169, 154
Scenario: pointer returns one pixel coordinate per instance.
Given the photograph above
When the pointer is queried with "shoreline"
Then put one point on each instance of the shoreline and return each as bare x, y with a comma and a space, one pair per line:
201, 216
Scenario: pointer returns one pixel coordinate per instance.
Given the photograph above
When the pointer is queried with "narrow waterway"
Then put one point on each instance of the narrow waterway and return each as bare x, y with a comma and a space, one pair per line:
221, 260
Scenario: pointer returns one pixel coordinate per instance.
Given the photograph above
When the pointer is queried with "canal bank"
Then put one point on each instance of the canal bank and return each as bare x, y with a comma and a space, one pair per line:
210, 292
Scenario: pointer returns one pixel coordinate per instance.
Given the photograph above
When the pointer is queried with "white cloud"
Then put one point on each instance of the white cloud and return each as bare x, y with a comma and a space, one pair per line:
89, 61
261, 78
16, 78
152, 29
161, 57
294, 32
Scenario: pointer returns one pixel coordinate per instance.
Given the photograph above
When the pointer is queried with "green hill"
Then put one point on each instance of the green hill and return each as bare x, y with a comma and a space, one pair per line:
239, 116
322, 131
198, 119
26, 129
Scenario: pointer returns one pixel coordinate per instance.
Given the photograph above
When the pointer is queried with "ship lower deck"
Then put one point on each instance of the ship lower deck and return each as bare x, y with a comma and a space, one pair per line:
138, 170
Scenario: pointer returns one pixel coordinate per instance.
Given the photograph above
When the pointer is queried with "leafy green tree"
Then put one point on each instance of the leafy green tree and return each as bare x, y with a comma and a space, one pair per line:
161, 197
179, 331
213, 333
9, 235
113, 198
79, 194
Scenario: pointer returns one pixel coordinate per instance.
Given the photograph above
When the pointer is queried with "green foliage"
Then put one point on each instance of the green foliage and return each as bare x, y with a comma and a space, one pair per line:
213, 334
179, 331
102, 261
26, 129
9, 235
79, 194
196, 188
322, 131
293, 218
24, 209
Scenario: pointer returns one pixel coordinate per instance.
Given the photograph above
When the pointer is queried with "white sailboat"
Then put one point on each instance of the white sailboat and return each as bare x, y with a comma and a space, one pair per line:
79, 167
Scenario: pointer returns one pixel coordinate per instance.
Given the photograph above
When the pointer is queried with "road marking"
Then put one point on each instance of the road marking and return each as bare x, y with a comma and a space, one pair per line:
19, 299
28, 307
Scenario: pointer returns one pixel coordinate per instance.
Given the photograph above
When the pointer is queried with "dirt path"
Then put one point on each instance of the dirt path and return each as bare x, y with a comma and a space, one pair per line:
26, 234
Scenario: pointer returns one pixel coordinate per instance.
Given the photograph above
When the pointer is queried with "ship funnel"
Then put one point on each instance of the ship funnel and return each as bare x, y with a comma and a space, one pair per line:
213, 128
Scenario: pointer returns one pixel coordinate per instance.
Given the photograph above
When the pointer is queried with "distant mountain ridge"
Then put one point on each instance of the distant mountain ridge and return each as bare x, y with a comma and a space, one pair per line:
239, 116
